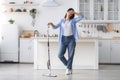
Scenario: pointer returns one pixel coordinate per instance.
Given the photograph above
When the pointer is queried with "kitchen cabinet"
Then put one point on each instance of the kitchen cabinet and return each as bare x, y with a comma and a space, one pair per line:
9, 38
104, 51
113, 9
100, 9
109, 51
26, 50
115, 51
84, 8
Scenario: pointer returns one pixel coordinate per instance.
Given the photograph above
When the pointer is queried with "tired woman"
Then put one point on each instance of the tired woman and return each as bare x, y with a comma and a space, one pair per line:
67, 37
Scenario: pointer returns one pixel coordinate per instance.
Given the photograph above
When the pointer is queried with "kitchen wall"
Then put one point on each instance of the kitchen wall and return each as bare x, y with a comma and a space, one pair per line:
46, 14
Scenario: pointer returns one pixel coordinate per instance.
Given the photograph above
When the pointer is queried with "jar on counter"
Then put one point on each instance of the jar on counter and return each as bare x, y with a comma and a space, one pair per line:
36, 33
10, 10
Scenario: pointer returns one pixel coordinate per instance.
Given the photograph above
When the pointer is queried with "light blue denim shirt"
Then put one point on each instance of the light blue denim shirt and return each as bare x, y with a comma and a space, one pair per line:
73, 25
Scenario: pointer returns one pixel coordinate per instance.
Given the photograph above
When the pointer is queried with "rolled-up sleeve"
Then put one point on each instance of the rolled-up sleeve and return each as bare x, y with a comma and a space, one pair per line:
78, 18
58, 25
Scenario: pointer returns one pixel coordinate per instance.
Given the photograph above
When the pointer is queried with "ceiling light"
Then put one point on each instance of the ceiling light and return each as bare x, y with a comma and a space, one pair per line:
49, 3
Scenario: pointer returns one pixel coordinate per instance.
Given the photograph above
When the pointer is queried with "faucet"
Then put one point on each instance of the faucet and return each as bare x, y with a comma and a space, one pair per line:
36, 33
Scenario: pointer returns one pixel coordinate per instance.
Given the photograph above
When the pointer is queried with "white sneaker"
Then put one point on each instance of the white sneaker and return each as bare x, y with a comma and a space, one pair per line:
68, 71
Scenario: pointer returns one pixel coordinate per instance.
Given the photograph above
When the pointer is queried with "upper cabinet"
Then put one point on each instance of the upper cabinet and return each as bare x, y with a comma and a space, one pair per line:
84, 8
100, 9
113, 9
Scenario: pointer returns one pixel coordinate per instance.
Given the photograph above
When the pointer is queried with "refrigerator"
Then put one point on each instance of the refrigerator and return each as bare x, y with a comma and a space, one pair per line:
9, 39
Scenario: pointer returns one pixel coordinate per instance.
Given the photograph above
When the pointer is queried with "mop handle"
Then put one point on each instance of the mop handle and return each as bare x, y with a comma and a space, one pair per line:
48, 43
48, 35
48, 63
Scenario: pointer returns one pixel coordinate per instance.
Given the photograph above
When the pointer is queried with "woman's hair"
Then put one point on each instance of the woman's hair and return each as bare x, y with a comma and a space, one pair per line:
72, 15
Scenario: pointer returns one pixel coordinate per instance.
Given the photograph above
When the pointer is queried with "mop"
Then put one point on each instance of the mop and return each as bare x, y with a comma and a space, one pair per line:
49, 62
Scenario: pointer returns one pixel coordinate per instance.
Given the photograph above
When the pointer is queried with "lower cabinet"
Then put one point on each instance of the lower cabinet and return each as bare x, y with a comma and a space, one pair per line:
104, 51
26, 50
109, 51
115, 51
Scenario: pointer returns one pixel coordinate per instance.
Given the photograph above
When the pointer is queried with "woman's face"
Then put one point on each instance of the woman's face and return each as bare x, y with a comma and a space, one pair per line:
70, 13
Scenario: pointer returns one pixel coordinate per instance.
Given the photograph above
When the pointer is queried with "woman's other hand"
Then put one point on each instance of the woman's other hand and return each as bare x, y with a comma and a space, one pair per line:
51, 24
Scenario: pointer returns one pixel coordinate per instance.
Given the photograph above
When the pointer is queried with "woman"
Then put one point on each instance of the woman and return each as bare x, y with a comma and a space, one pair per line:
67, 37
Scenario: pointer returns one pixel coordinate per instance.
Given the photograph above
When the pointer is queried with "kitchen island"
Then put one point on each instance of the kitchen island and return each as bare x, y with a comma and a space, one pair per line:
86, 54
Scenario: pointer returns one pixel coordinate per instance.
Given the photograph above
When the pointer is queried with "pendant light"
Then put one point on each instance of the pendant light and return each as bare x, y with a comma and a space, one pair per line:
49, 3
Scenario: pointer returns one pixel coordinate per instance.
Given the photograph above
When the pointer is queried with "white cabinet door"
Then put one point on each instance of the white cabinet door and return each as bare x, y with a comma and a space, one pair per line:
104, 51
98, 9
84, 8
113, 9
31, 51
26, 50
115, 51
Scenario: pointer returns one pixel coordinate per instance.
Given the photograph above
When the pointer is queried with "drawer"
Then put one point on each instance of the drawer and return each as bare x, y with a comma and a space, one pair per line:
115, 42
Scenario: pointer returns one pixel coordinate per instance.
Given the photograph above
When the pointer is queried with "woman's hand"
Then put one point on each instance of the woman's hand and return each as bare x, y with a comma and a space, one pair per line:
76, 13
51, 24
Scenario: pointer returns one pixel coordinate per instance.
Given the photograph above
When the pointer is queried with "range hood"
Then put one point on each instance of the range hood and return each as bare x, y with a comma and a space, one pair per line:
49, 3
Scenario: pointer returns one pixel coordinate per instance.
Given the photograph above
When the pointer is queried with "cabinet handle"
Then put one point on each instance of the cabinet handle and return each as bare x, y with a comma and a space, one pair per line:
100, 44
2, 38
29, 48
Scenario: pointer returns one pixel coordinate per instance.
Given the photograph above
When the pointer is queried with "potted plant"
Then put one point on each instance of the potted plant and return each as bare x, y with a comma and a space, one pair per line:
11, 21
33, 13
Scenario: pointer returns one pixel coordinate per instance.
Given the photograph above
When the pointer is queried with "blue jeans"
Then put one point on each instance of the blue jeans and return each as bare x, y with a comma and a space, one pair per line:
68, 42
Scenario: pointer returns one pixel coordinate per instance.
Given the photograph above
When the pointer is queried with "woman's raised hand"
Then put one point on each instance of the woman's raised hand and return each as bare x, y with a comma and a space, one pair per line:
76, 13
50, 24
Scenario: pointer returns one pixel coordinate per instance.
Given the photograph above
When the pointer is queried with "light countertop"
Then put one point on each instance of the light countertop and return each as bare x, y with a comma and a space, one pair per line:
82, 38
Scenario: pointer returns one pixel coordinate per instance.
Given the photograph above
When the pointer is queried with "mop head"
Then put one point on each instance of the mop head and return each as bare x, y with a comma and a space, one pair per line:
48, 64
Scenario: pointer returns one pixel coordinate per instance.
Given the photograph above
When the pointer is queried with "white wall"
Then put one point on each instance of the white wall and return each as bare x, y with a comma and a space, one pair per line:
46, 14
54, 14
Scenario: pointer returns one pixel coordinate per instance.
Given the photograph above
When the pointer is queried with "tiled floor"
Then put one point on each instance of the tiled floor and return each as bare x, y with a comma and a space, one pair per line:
26, 72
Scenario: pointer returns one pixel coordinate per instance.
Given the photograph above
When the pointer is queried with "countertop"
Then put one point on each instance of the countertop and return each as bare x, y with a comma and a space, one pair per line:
83, 38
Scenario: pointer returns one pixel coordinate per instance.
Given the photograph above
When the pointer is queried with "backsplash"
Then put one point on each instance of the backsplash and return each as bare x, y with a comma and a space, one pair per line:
99, 30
